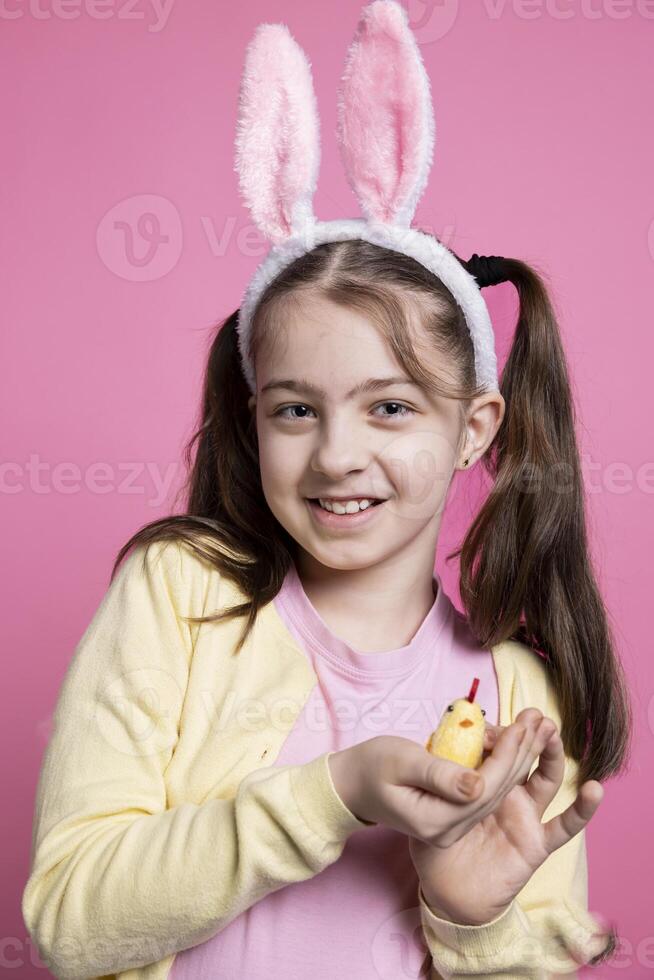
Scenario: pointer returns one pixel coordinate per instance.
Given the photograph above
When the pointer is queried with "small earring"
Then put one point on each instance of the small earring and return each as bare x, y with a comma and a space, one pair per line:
466, 461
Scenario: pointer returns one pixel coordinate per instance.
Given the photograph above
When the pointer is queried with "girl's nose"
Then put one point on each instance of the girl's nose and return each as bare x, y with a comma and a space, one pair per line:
339, 451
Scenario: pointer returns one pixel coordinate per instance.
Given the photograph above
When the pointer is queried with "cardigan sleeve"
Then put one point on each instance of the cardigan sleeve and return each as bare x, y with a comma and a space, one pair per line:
118, 880
547, 930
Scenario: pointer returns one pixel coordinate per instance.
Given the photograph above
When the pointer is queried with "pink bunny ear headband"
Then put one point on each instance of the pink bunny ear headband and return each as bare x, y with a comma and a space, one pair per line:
386, 135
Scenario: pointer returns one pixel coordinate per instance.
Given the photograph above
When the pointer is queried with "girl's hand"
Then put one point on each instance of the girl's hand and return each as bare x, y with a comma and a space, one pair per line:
394, 781
474, 879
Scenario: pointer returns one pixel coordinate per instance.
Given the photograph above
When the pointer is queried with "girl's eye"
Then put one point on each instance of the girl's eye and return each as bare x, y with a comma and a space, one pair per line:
281, 412
398, 409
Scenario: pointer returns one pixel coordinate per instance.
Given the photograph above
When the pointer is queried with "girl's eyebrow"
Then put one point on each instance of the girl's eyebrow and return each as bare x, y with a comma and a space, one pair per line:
372, 384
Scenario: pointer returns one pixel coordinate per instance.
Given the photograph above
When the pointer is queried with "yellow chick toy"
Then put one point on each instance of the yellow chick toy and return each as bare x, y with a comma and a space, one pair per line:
460, 733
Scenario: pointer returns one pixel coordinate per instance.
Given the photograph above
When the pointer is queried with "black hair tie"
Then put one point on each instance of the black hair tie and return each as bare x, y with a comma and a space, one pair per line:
488, 270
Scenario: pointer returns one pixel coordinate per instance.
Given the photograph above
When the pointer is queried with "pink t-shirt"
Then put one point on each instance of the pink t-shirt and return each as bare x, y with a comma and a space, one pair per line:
359, 917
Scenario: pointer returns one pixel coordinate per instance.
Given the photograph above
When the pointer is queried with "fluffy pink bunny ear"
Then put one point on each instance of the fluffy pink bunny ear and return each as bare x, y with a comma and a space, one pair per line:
277, 137
386, 125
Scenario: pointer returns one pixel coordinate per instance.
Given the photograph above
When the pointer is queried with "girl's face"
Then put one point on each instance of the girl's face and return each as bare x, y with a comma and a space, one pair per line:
340, 422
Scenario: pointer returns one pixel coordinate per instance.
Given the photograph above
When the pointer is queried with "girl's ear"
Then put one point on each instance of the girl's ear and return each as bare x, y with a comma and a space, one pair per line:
277, 134
386, 126
252, 401
483, 419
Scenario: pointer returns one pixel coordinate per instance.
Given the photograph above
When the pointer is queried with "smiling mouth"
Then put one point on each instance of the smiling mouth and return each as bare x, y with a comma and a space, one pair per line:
354, 506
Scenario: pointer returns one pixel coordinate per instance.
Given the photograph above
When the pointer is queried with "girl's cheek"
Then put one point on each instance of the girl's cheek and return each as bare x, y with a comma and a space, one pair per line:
420, 466
280, 460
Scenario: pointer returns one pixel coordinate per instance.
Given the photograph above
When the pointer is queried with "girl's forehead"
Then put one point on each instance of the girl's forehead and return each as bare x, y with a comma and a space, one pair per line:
331, 358
319, 336
322, 315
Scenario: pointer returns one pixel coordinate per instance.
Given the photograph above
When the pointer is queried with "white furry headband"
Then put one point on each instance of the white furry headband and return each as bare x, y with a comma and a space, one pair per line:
386, 136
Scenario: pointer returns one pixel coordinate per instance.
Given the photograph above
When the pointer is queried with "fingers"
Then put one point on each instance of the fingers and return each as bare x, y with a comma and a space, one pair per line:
515, 749
442, 778
559, 830
509, 753
545, 780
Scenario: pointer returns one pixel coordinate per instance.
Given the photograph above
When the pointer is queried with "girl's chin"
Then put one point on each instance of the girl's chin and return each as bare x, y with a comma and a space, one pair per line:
343, 555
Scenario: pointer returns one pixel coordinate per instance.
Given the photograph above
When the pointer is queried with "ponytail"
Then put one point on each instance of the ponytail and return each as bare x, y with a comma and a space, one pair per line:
525, 566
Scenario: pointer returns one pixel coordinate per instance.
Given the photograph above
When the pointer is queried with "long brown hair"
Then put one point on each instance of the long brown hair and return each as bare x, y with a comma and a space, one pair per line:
525, 570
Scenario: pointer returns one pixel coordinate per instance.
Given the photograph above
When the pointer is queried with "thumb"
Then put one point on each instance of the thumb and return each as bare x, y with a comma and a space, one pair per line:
444, 778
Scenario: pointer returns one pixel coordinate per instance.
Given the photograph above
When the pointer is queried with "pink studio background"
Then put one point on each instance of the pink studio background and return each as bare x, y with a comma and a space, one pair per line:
544, 152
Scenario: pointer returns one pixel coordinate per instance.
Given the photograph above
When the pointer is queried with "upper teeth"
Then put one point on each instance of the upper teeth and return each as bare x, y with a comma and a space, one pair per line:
344, 506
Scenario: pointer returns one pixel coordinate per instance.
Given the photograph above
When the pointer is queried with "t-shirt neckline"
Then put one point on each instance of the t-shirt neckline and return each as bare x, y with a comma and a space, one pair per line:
295, 607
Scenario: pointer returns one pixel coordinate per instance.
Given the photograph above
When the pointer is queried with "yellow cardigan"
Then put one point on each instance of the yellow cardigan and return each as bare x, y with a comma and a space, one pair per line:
159, 817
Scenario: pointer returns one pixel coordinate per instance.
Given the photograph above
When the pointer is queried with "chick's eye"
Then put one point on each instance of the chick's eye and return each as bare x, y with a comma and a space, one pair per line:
483, 712
397, 410
282, 412
450, 707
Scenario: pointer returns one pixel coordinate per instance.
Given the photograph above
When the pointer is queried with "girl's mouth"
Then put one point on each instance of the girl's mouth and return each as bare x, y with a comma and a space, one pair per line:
356, 512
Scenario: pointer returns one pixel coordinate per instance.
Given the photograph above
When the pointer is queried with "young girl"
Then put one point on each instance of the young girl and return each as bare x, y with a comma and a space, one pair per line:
237, 783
